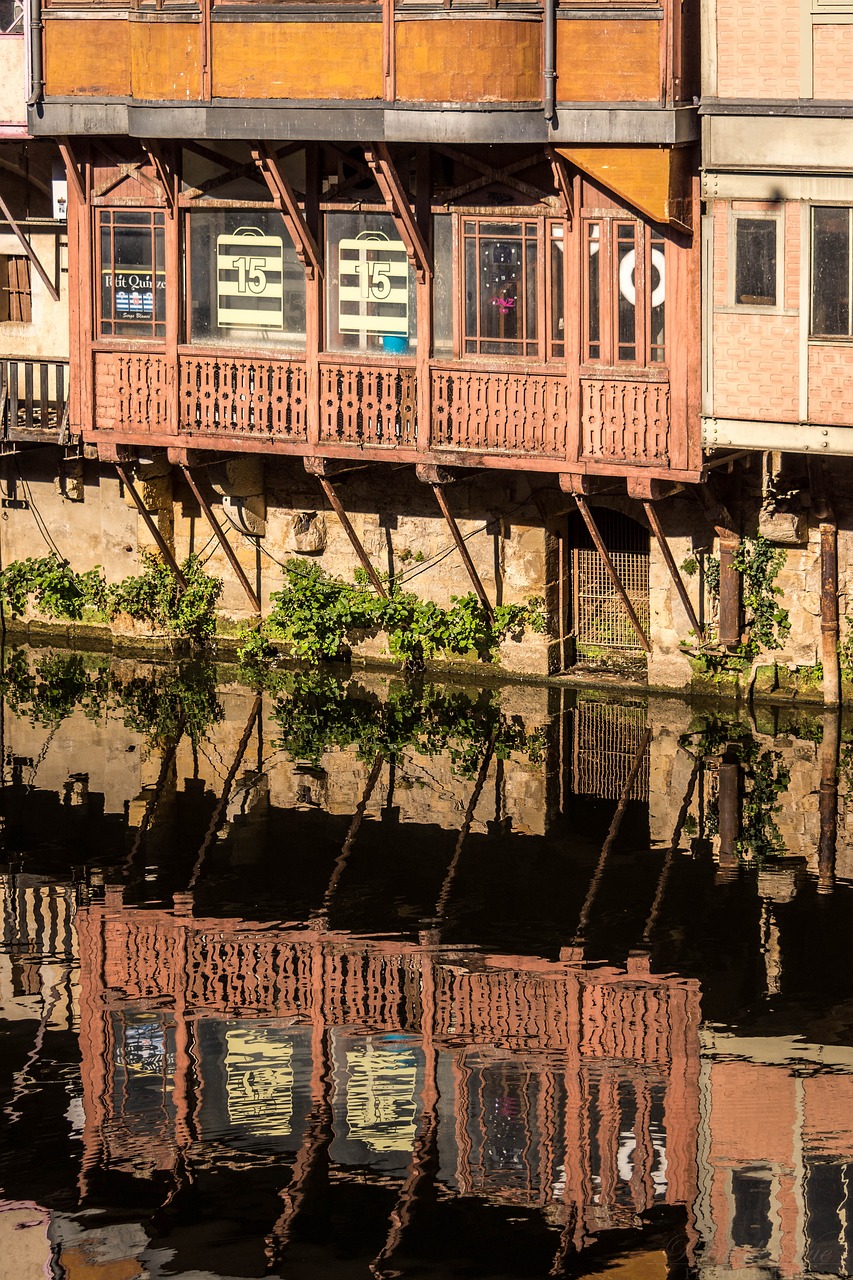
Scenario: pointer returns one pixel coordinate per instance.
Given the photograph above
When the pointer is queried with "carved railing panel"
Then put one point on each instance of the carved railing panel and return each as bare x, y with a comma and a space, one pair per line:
33, 397
500, 412
366, 405
132, 392
243, 397
625, 421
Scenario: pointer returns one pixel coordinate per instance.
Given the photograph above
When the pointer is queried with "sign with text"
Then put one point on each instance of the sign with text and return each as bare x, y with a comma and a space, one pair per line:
374, 285
249, 280
132, 289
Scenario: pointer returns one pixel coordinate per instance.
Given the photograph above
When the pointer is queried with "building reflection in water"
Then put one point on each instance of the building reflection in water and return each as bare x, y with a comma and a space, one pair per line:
601, 998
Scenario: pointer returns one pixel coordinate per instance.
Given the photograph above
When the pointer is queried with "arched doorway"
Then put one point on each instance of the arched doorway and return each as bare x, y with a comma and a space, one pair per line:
598, 617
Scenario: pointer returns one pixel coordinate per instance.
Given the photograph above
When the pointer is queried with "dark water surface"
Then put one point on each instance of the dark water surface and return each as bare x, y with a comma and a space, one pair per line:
359, 978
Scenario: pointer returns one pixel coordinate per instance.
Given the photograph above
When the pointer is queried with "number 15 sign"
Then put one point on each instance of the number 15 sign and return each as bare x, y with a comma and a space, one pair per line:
249, 280
374, 285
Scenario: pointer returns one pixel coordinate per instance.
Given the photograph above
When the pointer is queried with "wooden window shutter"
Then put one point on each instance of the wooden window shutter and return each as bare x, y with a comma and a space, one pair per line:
20, 295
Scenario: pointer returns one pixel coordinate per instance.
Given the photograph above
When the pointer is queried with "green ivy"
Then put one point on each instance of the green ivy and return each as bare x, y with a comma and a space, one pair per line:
319, 617
153, 596
759, 563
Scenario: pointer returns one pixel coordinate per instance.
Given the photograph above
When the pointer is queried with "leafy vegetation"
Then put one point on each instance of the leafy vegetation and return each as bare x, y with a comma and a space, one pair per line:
153, 596
767, 624
318, 617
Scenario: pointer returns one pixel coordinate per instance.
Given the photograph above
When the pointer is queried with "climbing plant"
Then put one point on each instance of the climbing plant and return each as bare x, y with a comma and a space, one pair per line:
767, 623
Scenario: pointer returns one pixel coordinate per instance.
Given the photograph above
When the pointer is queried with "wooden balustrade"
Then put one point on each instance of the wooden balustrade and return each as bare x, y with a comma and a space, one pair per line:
625, 421
242, 396
516, 412
33, 398
368, 405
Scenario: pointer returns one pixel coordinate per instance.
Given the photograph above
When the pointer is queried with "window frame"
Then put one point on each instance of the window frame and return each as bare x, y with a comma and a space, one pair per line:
831, 337
646, 236
145, 331
757, 215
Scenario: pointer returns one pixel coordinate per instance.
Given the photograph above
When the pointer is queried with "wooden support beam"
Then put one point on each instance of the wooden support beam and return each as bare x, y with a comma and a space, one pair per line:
597, 539
562, 180
657, 529
730, 581
337, 507
155, 155
354, 827
828, 802
307, 249
219, 533
162, 545
450, 876
72, 169
438, 490
666, 869
29, 251
388, 180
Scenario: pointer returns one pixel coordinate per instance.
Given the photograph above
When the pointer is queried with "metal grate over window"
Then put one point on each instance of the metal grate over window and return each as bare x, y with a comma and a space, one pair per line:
599, 620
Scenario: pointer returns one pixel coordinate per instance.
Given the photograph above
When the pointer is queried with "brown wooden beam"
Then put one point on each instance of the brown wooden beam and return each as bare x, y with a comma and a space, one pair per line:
155, 155
337, 507
562, 180
657, 529
730, 580
29, 251
162, 545
72, 168
216, 817
597, 539
219, 532
438, 490
307, 249
388, 180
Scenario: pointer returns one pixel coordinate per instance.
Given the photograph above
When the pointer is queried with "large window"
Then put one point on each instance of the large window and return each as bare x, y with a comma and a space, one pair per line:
500, 287
371, 303
132, 273
755, 262
246, 285
832, 278
625, 293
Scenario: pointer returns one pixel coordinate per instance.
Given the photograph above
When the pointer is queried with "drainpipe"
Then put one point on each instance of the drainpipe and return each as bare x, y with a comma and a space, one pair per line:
36, 69
549, 58
829, 629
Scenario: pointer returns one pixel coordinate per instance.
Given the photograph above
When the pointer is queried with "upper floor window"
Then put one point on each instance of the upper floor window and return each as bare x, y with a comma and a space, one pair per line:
756, 262
625, 303
11, 18
371, 302
131, 247
832, 285
501, 293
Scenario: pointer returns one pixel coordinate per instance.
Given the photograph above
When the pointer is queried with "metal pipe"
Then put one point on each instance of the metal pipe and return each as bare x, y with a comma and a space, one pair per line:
828, 803
35, 51
730, 583
549, 58
829, 628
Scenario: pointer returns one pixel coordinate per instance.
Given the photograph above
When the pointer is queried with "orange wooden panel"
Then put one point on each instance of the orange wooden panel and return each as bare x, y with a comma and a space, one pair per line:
297, 60
608, 61
462, 60
654, 180
91, 57
165, 60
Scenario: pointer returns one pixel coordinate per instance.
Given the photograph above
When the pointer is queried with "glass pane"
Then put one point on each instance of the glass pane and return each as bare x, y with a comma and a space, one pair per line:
442, 297
831, 272
557, 288
501, 293
657, 298
471, 293
133, 280
247, 287
593, 292
531, 300
626, 267
371, 302
755, 262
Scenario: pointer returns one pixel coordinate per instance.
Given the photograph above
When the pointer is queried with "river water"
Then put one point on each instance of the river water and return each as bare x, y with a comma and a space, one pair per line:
351, 977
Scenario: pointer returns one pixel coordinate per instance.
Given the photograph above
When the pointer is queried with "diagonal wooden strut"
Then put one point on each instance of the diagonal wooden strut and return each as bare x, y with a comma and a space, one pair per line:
29, 251
595, 534
72, 168
216, 817
307, 249
219, 532
337, 507
155, 155
388, 180
162, 545
657, 529
438, 490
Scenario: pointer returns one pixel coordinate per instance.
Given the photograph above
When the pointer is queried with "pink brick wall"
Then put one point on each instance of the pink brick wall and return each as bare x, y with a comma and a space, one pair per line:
758, 48
791, 266
833, 60
831, 385
755, 367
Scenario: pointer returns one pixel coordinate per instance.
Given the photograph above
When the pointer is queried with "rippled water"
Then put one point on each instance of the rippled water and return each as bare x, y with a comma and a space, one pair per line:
353, 978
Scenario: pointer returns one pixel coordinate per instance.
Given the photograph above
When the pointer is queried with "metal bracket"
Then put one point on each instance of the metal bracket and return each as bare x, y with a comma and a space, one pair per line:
307, 249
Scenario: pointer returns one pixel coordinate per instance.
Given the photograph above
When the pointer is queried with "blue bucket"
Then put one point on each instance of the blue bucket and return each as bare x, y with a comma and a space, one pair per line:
395, 344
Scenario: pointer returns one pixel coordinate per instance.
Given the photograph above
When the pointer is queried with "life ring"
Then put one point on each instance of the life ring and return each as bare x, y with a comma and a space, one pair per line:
626, 277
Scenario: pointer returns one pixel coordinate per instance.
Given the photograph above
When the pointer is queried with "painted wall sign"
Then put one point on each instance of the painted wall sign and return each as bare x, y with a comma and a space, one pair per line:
374, 285
249, 280
133, 292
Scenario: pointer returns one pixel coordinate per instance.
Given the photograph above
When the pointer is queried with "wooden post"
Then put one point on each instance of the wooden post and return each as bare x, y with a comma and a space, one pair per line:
438, 490
730, 583
223, 541
594, 533
657, 529
162, 545
337, 507
829, 628
728, 788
